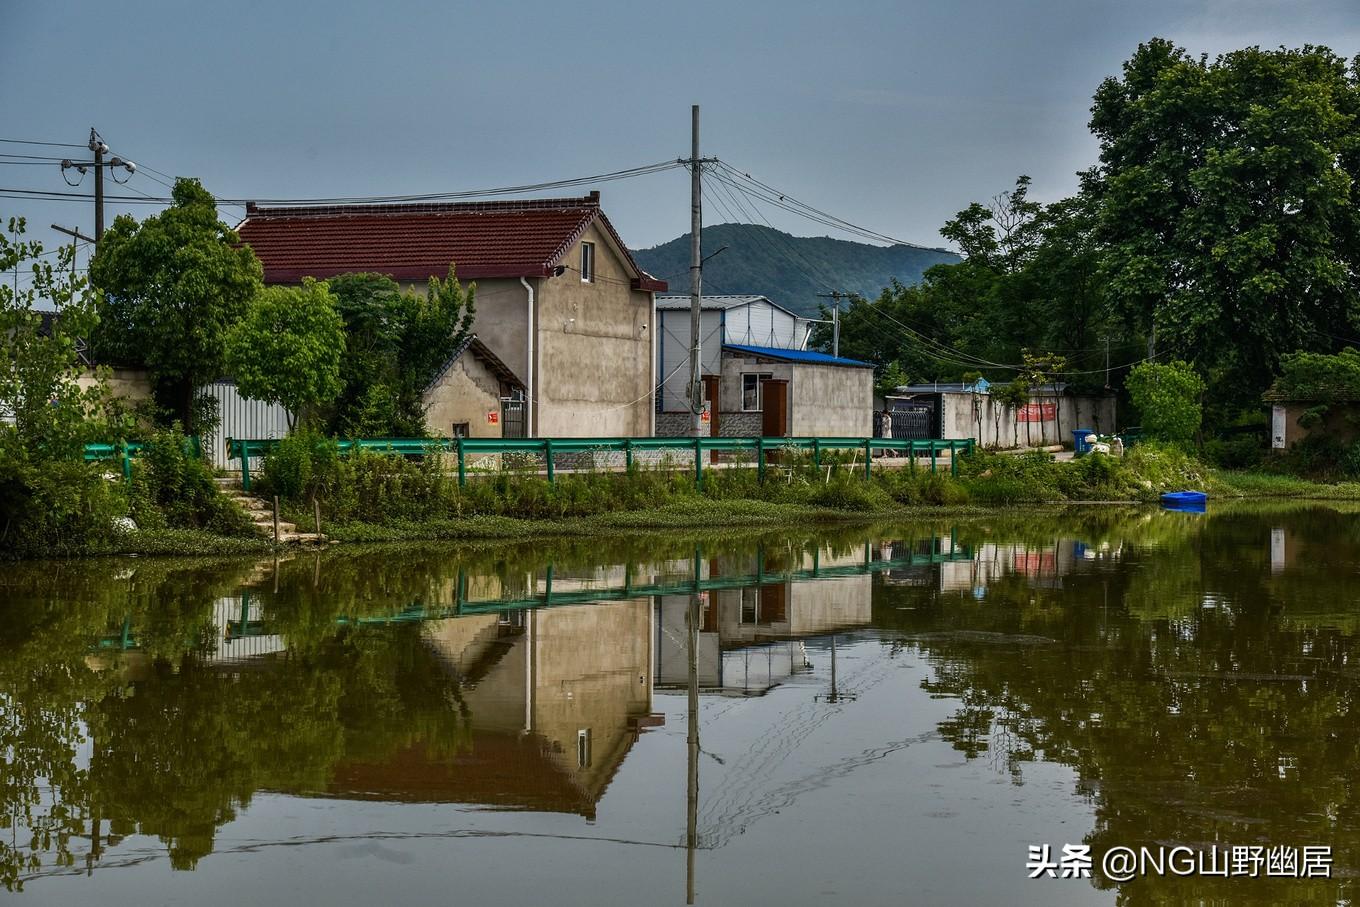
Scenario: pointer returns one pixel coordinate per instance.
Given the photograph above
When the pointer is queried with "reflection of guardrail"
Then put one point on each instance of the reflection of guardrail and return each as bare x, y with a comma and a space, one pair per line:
244, 627
551, 447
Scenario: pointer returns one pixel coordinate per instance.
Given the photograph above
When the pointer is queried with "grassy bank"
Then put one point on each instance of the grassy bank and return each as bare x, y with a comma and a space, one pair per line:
375, 498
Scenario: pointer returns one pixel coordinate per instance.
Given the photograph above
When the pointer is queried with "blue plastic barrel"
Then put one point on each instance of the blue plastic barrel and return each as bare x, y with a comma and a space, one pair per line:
1079, 444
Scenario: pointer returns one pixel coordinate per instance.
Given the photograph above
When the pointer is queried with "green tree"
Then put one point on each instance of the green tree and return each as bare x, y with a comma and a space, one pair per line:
288, 348
1167, 396
47, 410
1227, 204
173, 286
397, 342
1012, 396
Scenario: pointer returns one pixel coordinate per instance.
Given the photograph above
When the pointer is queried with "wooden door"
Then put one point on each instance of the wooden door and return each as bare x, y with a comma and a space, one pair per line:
775, 403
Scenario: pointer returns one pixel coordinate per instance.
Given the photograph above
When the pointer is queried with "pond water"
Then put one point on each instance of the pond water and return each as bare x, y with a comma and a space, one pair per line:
863, 716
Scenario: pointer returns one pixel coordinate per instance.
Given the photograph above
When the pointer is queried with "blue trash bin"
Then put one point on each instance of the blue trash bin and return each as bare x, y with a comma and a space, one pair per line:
1079, 444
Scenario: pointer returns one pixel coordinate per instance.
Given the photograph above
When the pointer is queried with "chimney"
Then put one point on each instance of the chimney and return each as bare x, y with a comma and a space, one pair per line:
594, 197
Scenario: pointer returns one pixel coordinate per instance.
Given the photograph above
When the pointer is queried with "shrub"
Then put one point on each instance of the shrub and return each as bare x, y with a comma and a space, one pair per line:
173, 488
1167, 396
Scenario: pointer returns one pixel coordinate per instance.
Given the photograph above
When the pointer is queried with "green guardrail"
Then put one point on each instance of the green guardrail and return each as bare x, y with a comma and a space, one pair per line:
245, 448
122, 452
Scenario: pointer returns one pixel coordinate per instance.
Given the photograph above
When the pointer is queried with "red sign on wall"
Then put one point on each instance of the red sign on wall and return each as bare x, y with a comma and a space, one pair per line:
1037, 412
492, 417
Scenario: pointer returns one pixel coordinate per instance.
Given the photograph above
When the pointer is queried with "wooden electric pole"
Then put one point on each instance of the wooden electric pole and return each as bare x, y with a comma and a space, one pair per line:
99, 149
696, 280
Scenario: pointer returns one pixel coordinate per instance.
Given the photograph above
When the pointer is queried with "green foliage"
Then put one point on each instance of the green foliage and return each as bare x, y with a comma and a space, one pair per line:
51, 502
1028, 283
1319, 377
1228, 207
287, 350
1167, 396
173, 488
1237, 452
396, 344
173, 286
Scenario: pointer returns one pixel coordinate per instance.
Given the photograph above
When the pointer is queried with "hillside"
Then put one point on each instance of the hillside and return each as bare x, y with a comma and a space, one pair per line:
791, 270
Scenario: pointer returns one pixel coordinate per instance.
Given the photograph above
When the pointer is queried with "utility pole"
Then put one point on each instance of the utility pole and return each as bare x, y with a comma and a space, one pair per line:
835, 296
76, 236
696, 279
99, 149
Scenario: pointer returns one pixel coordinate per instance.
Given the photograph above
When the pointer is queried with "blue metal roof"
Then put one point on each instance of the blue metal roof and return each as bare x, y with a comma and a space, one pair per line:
811, 357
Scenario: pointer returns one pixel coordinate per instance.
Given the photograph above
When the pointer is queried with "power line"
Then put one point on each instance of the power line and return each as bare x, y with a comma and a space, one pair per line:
57, 195
35, 142
789, 203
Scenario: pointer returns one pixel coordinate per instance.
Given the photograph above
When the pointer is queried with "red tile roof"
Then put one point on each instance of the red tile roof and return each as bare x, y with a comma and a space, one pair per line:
525, 238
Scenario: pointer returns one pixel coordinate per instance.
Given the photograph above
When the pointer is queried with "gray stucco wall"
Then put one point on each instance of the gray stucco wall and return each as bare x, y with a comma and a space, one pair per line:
592, 344
466, 392
831, 401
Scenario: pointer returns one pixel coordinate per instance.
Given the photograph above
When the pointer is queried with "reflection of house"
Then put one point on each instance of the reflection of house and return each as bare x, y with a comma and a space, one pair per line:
555, 698
758, 378
1042, 566
750, 637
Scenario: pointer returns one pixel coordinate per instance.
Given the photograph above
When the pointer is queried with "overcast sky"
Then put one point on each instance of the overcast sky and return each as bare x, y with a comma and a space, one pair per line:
893, 115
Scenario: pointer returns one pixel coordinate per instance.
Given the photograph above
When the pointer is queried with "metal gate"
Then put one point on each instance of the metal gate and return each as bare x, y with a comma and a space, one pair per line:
914, 421
512, 417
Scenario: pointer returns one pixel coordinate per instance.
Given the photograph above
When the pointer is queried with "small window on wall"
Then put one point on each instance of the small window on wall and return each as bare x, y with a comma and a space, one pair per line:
460, 429
750, 605
752, 397
588, 262
583, 754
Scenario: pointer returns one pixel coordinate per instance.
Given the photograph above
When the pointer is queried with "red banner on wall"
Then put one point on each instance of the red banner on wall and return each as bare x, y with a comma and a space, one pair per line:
1037, 412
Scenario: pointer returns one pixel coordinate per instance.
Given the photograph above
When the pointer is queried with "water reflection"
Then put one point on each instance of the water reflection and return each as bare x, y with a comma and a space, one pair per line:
1196, 675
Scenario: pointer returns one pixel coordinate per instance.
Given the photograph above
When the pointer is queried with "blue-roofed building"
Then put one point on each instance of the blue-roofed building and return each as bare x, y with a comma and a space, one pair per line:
759, 377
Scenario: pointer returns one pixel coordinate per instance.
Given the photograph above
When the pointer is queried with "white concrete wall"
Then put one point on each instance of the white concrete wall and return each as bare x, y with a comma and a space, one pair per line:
960, 413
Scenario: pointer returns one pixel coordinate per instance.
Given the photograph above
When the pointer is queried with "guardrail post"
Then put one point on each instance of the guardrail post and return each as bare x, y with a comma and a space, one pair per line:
868, 456
628, 455
760, 460
932, 456
698, 464
911, 454
953, 460
245, 465
462, 464
817, 455
548, 455
127, 461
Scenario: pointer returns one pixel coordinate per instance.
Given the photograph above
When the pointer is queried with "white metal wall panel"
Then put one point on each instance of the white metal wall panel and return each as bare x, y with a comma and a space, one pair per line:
238, 417
671, 369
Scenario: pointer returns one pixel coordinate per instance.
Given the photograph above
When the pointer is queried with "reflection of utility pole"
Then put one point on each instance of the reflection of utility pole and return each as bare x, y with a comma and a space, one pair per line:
836, 695
692, 786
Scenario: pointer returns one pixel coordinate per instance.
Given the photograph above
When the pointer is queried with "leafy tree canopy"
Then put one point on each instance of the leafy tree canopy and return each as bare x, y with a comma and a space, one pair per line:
173, 286
1167, 396
288, 348
1227, 204
397, 342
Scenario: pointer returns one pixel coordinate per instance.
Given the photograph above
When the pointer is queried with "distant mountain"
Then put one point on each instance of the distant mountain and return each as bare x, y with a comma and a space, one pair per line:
790, 270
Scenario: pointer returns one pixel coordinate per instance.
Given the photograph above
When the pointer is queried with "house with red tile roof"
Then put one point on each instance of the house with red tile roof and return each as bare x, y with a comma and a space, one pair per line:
560, 300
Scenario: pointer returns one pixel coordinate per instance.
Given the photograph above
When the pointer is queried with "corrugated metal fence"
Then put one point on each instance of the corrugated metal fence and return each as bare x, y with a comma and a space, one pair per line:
238, 417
